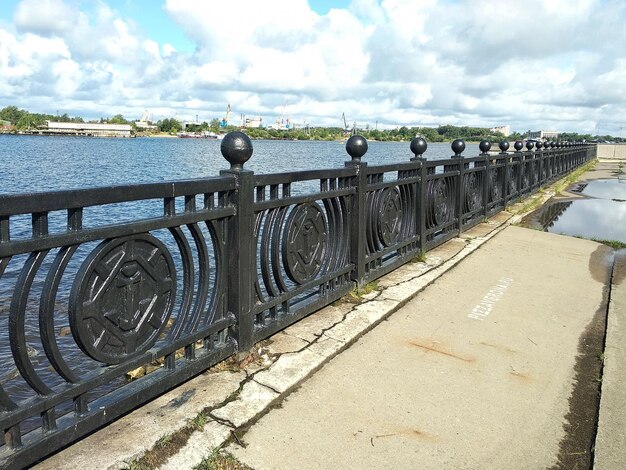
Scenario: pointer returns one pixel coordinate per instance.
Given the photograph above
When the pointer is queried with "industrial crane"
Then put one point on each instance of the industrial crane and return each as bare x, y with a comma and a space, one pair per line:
346, 129
224, 121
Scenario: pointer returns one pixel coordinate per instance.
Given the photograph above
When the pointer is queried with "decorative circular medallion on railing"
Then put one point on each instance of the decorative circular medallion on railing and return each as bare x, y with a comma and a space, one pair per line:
441, 200
390, 216
122, 298
473, 193
304, 242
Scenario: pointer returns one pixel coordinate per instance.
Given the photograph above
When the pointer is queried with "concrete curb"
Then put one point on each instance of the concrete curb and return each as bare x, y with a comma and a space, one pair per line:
610, 445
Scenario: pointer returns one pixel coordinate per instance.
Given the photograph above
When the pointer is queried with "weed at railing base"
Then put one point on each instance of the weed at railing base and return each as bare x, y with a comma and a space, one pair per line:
355, 296
420, 257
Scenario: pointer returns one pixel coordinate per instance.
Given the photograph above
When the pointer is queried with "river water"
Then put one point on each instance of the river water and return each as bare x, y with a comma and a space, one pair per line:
42, 163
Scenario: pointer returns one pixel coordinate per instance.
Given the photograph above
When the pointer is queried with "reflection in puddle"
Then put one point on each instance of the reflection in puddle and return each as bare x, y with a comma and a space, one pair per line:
588, 218
600, 214
614, 189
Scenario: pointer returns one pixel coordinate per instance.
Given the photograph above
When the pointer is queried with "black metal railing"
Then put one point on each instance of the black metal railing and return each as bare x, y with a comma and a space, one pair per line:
201, 269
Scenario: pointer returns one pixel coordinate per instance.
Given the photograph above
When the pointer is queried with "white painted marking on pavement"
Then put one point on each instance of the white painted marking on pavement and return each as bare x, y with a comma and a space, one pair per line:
484, 308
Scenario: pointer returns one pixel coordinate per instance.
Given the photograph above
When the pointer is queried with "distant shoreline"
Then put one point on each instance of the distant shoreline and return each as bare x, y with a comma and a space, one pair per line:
170, 136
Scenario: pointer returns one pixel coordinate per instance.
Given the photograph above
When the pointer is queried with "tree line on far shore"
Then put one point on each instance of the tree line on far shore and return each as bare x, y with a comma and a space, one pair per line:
23, 120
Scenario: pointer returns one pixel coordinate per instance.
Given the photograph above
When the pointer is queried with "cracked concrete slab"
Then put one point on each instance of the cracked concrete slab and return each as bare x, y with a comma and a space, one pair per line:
361, 318
198, 446
129, 437
289, 370
283, 343
311, 327
325, 346
252, 400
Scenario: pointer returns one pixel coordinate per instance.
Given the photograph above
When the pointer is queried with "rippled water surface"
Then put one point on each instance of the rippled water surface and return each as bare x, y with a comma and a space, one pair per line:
38, 163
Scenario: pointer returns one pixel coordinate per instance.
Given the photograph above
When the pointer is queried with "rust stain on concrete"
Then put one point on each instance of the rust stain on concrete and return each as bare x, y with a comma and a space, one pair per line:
441, 351
411, 433
521, 376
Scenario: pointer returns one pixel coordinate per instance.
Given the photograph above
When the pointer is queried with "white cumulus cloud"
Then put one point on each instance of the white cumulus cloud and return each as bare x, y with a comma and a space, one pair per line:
531, 63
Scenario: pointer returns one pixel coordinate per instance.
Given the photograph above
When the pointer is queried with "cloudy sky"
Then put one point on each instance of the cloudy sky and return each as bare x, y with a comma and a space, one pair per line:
533, 64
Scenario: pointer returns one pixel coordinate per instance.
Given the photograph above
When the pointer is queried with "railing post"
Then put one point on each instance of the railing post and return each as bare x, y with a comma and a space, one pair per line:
546, 161
530, 157
236, 147
484, 147
518, 145
356, 146
539, 157
504, 146
418, 147
457, 147
552, 158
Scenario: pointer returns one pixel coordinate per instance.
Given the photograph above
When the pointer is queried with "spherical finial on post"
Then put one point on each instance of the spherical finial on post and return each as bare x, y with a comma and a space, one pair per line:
457, 147
552, 144
530, 145
356, 146
518, 145
484, 146
236, 147
418, 147
504, 146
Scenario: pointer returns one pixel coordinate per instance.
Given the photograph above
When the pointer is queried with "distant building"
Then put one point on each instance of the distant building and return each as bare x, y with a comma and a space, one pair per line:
252, 123
145, 126
86, 129
504, 130
542, 135
5, 125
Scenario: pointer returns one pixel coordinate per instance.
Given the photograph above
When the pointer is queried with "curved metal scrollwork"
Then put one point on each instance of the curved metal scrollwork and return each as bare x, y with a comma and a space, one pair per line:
122, 298
441, 203
389, 223
473, 193
304, 242
495, 187
512, 177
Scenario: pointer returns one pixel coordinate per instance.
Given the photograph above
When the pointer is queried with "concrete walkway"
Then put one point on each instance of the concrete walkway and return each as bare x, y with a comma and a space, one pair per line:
475, 372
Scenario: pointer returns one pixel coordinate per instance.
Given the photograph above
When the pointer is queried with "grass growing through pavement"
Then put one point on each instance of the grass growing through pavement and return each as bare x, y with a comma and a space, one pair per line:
219, 460
615, 244
355, 296
420, 257
573, 177
537, 199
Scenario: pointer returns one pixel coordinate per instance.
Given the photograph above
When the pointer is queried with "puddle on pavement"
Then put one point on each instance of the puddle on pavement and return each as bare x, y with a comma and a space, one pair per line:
600, 215
613, 189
